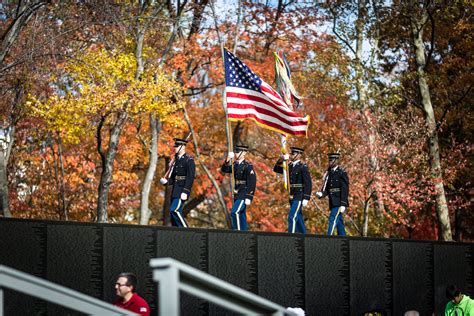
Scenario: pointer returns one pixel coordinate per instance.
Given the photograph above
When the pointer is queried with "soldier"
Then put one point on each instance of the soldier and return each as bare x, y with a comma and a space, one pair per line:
336, 186
182, 173
245, 182
300, 188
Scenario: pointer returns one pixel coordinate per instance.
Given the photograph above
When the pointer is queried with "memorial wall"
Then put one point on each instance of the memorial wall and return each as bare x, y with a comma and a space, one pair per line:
323, 275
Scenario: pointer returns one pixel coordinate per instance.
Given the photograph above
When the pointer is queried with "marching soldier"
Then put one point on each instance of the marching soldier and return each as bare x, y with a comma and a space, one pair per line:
181, 173
336, 186
245, 182
300, 188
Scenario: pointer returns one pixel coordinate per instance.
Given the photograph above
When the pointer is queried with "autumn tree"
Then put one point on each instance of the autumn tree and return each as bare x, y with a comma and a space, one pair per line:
105, 93
424, 38
15, 17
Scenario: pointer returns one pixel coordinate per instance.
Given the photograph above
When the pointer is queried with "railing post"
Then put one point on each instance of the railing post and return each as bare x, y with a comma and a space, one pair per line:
18, 281
1, 301
168, 289
173, 276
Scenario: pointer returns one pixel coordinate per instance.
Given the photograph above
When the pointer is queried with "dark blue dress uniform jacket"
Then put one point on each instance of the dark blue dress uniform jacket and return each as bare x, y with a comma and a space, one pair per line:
300, 180
336, 186
245, 179
183, 175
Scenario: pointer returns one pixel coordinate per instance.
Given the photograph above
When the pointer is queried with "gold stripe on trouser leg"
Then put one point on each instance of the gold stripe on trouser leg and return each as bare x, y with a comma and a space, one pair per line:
179, 214
237, 215
335, 220
294, 217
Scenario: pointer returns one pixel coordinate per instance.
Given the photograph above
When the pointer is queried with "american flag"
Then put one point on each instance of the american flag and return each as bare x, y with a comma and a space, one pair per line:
249, 97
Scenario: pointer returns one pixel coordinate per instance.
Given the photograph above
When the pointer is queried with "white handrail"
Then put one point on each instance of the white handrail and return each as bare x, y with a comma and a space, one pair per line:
54, 293
174, 276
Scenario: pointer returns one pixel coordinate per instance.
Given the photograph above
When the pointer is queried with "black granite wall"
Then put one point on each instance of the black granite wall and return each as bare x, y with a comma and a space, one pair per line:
323, 275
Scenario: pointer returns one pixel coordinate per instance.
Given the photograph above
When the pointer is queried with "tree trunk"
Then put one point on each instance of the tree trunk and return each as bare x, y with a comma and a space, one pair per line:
237, 27
64, 202
238, 132
174, 32
458, 225
5, 209
9, 134
108, 159
365, 225
12, 141
139, 52
145, 213
59, 177
362, 95
442, 211
198, 15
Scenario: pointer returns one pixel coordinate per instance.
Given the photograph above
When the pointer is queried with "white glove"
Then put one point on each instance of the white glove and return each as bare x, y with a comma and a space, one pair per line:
286, 157
305, 202
342, 209
184, 196
319, 194
247, 201
163, 181
231, 155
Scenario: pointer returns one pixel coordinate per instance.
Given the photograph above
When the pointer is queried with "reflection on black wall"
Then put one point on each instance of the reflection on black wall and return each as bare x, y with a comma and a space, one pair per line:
322, 275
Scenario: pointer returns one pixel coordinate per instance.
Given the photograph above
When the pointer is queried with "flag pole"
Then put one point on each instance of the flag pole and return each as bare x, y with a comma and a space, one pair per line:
286, 172
228, 131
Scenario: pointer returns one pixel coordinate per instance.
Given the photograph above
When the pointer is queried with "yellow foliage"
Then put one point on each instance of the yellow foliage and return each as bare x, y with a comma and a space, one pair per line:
61, 116
103, 84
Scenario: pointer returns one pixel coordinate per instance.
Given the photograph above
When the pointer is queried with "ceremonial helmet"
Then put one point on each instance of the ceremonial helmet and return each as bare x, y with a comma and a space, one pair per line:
179, 142
296, 150
334, 156
241, 147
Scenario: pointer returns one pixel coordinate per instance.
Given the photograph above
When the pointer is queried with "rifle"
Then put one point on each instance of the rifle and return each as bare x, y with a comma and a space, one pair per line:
173, 161
323, 184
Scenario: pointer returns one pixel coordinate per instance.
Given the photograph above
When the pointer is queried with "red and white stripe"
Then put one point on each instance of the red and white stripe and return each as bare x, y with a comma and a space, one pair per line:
267, 108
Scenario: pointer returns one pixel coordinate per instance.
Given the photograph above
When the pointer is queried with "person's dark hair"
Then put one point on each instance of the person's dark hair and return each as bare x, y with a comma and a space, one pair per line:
375, 312
131, 280
452, 291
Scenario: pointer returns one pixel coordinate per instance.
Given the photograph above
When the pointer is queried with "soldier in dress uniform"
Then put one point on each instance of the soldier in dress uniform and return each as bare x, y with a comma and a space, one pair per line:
336, 186
181, 178
245, 183
300, 188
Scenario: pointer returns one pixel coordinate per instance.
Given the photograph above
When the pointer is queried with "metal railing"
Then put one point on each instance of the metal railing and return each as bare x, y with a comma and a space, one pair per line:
173, 276
51, 292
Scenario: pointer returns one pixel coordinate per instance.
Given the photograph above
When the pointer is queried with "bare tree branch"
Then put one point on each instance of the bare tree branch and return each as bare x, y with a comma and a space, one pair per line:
452, 105
24, 13
334, 29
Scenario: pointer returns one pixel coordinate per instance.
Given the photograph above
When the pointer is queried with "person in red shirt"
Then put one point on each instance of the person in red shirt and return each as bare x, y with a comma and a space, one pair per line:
125, 288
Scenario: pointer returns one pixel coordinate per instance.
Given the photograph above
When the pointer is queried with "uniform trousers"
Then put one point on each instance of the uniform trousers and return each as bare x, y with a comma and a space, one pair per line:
336, 222
176, 210
295, 217
238, 215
